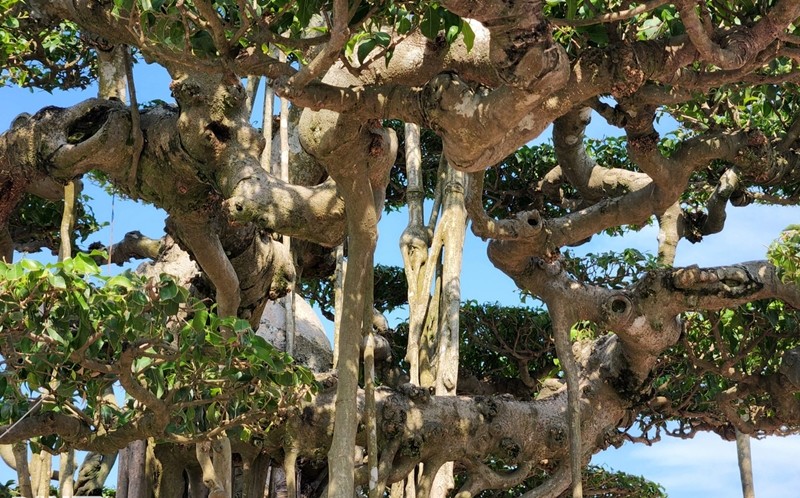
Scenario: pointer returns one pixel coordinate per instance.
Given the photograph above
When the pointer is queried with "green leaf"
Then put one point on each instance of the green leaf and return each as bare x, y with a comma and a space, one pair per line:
382, 39
168, 291
142, 363
403, 26
84, 265
31, 265
365, 48
33, 381
203, 43
431, 22
305, 10
120, 281
572, 8
468, 34
596, 33
53, 333
200, 320
107, 414
212, 414
57, 281
452, 33
650, 28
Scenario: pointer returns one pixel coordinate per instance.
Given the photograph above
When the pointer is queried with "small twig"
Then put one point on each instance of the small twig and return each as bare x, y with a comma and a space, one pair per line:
214, 23
136, 123
30, 410
243, 7
340, 33
611, 16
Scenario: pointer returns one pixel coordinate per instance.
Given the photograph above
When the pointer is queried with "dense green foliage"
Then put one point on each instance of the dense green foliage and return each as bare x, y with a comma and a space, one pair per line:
70, 334
42, 53
36, 222
598, 482
698, 378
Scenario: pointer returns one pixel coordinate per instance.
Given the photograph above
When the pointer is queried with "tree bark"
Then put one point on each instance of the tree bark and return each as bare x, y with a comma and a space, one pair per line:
454, 223
43, 473
362, 235
338, 297
66, 474
23, 473
256, 476
137, 470
215, 461
93, 473
6, 245
414, 245
745, 464
123, 474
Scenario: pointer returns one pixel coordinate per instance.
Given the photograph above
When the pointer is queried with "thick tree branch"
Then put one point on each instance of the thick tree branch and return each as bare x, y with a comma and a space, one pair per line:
741, 46
592, 181
133, 245
526, 224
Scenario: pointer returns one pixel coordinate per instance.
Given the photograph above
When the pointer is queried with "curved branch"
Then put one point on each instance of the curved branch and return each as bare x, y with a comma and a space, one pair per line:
554, 486
718, 201
133, 245
742, 47
69, 427
211, 257
592, 181
484, 477
670, 177
645, 316
137, 391
526, 225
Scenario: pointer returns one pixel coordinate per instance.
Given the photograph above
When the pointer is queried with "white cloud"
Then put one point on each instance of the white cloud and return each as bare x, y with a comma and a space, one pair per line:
706, 466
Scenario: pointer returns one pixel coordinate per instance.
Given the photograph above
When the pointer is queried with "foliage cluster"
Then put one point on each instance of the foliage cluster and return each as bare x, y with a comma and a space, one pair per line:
42, 53
717, 373
71, 336
598, 482
35, 224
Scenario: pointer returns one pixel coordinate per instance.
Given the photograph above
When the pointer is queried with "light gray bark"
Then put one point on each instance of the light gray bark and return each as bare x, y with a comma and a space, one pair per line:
66, 474
745, 464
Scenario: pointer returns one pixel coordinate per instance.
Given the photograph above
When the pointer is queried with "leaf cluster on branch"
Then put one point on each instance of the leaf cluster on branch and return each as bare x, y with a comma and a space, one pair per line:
70, 336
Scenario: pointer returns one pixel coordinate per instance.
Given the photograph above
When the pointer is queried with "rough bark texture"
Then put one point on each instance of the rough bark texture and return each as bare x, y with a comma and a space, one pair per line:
205, 164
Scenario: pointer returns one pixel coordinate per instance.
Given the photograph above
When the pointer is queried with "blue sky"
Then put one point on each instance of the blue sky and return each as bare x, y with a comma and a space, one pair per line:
704, 467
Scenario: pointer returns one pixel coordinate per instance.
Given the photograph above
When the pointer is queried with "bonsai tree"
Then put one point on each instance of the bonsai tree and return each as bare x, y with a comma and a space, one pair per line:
384, 105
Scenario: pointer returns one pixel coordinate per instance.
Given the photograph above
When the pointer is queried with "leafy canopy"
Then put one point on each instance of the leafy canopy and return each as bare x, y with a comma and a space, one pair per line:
70, 334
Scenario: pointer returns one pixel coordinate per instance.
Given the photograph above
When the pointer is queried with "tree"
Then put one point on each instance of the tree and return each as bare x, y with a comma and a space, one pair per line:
619, 345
